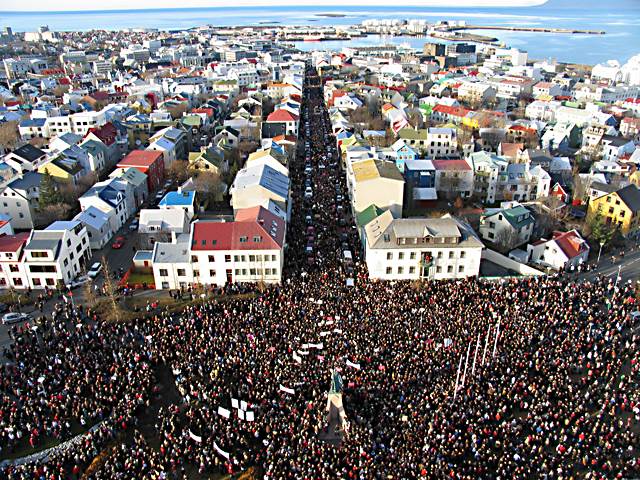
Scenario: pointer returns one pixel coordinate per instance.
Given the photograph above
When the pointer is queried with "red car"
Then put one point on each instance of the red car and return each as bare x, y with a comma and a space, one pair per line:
118, 243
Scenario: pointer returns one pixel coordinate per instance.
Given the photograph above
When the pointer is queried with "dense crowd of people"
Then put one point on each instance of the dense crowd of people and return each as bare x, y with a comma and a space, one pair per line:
547, 372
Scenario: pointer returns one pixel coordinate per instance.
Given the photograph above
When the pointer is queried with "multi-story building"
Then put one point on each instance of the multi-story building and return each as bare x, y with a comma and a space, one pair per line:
57, 254
12, 268
375, 182
507, 227
247, 250
619, 209
421, 248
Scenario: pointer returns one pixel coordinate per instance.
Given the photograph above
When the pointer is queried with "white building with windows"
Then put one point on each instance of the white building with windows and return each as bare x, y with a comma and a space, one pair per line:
421, 248
13, 272
247, 250
56, 254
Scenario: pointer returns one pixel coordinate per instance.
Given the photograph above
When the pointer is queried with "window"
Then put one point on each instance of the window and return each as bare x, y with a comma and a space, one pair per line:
389, 255
401, 256
492, 224
252, 272
257, 238
212, 273
439, 254
37, 282
68, 242
50, 282
181, 272
451, 254
165, 285
463, 254
412, 269
412, 256
211, 258
490, 235
449, 269
66, 262
610, 209
17, 281
244, 239
252, 258
438, 269
196, 273
14, 268
400, 270
236, 258
163, 272
238, 271
389, 270
227, 258
461, 269
39, 254
194, 258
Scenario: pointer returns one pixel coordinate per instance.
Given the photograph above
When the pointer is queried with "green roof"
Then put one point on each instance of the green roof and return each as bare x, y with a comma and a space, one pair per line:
192, 120
411, 134
368, 215
512, 215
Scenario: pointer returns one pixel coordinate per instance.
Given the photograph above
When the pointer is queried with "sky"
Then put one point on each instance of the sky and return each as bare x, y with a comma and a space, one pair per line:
71, 5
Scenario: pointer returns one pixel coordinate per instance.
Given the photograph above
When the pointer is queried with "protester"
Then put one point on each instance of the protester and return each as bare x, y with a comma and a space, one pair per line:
549, 388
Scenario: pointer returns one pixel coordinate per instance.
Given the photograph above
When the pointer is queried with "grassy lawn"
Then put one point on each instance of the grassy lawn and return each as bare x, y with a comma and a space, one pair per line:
136, 278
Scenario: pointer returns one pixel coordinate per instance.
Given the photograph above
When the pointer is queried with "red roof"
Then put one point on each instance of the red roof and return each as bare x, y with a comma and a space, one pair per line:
241, 234
460, 165
13, 243
208, 111
454, 111
632, 100
282, 115
100, 96
140, 158
571, 243
107, 133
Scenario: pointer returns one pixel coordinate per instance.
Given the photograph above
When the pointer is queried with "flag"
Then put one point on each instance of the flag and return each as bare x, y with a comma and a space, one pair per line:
354, 365
287, 390
220, 451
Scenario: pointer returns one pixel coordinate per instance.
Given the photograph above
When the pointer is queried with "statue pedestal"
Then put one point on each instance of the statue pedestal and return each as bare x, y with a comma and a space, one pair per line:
336, 420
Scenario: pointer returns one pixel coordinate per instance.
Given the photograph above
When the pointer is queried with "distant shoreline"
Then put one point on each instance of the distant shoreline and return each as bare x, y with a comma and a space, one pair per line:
331, 15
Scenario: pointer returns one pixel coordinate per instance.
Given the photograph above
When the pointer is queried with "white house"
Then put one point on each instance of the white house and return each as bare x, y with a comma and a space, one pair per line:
56, 254
13, 271
165, 220
108, 199
19, 200
249, 249
563, 250
508, 227
421, 248
98, 227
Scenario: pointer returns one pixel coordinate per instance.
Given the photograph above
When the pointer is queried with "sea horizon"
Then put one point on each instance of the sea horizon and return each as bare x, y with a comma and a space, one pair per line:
620, 42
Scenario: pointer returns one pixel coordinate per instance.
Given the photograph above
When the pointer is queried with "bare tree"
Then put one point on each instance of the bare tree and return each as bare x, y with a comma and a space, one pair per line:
178, 172
51, 213
506, 239
210, 185
178, 110
110, 291
9, 136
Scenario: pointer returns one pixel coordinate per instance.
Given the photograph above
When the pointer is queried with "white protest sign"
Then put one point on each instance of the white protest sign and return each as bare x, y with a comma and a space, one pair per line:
287, 390
224, 412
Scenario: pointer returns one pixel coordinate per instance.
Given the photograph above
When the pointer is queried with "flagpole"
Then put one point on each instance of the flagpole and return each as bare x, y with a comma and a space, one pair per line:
466, 364
475, 356
495, 344
455, 390
486, 344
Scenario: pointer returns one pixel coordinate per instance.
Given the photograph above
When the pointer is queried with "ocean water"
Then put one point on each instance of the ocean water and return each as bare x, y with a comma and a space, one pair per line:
619, 18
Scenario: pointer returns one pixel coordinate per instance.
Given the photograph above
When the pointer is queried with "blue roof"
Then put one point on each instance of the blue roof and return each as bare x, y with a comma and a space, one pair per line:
63, 225
181, 199
33, 122
275, 181
109, 195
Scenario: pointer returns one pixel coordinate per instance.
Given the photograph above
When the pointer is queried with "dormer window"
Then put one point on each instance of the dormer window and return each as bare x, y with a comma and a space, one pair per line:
244, 239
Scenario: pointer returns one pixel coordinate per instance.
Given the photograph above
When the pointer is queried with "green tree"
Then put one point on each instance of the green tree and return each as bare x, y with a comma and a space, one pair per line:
600, 231
49, 194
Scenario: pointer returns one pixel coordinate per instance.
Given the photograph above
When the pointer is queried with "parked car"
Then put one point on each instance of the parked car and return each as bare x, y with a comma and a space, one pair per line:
118, 243
3, 307
77, 282
15, 317
95, 270
133, 226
